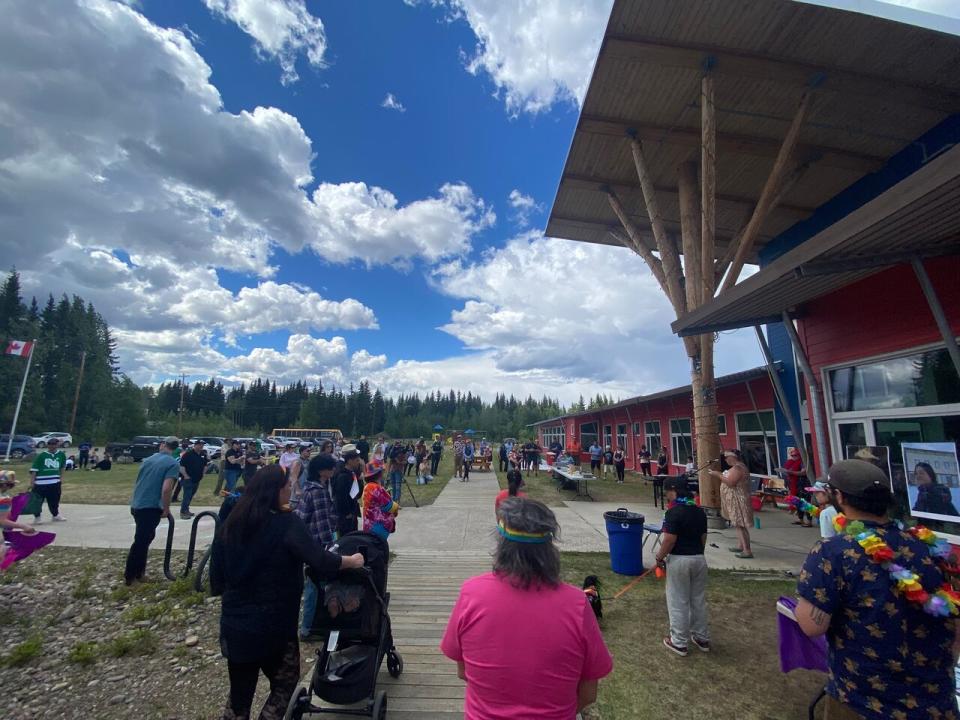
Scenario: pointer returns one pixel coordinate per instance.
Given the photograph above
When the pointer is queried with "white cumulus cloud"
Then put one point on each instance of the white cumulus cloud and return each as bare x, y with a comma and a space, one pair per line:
281, 30
536, 52
523, 206
587, 315
392, 103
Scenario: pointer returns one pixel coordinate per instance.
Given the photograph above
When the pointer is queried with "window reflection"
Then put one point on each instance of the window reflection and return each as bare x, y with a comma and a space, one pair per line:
927, 378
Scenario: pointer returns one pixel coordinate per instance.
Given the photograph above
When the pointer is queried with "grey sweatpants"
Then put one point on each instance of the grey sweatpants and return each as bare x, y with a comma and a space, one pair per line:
687, 598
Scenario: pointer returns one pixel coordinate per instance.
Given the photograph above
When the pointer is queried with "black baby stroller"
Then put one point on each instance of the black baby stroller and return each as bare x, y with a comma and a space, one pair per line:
353, 621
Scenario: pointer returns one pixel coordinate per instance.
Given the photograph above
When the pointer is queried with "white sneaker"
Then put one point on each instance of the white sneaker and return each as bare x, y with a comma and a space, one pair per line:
37, 520
59, 518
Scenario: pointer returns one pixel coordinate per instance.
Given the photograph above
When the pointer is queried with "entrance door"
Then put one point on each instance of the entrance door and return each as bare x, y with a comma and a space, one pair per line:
850, 433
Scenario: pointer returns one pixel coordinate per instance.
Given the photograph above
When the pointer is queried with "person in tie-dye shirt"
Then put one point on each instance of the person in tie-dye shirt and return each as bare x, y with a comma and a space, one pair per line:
379, 509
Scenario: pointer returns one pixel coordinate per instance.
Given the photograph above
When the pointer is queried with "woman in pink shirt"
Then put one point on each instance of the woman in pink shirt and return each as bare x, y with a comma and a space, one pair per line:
527, 644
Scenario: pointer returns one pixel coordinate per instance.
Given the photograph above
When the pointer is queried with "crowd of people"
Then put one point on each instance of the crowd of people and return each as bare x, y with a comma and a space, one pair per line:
882, 595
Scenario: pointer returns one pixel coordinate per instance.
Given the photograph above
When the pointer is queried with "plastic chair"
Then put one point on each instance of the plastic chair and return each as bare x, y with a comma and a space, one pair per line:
652, 530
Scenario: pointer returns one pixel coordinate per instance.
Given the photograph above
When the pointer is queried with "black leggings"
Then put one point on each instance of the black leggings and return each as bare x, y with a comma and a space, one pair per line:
282, 671
434, 462
50, 493
620, 467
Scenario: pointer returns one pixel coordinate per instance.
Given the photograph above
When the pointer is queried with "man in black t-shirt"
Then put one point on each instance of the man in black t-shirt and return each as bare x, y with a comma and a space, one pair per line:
253, 461
233, 465
436, 450
192, 464
680, 553
363, 447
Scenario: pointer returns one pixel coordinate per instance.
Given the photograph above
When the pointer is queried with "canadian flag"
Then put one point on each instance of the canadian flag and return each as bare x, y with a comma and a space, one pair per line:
18, 347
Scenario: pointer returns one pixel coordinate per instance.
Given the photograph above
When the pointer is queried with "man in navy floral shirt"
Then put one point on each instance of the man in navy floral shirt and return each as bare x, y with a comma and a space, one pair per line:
888, 658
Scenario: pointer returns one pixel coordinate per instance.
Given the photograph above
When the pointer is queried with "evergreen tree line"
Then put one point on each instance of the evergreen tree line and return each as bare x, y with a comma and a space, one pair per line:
112, 407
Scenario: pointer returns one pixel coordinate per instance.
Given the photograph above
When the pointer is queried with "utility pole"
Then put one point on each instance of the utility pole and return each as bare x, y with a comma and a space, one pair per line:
76, 395
183, 382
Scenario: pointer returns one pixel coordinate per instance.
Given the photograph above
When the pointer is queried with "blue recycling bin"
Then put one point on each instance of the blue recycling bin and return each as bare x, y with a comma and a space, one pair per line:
625, 534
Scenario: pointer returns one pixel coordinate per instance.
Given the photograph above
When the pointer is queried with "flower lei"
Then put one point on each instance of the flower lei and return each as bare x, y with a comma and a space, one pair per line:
944, 601
801, 505
682, 501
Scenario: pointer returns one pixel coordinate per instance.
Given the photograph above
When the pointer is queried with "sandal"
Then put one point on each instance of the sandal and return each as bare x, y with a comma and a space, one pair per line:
735, 549
744, 556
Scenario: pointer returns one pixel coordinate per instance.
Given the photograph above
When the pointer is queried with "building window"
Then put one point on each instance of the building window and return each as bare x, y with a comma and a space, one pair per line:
722, 424
552, 434
636, 429
651, 432
607, 437
680, 440
588, 435
924, 378
622, 437
752, 430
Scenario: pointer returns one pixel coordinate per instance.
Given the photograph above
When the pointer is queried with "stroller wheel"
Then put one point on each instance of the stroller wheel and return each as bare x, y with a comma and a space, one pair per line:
380, 706
298, 702
394, 663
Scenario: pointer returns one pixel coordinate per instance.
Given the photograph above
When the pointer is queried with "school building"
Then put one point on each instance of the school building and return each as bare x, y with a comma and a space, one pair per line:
747, 419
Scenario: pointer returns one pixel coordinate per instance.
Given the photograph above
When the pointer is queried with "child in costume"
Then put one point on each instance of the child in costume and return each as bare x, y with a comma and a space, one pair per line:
379, 509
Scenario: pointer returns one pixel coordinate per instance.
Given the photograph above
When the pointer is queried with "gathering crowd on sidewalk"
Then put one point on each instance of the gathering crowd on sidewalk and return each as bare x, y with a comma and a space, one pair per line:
882, 596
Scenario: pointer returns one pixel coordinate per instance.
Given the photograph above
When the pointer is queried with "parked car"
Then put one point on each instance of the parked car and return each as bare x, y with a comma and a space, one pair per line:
211, 444
41, 440
142, 446
21, 446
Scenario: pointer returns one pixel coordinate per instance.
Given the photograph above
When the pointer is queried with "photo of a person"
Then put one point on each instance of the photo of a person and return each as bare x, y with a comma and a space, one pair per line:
931, 497
932, 480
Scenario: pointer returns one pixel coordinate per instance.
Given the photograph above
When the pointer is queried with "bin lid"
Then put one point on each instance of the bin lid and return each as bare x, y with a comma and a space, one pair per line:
622, 515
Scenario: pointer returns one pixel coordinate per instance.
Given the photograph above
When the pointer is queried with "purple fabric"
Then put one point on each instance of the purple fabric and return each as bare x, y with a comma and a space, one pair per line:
796, 649
22, 545
17, 503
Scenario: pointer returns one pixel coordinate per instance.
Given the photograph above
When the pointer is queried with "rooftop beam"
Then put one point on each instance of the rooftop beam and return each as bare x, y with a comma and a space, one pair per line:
727, 143
589, 182
849, 83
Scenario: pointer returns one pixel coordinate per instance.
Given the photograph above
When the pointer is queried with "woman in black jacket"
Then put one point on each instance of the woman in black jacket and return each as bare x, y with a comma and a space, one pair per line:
257, 566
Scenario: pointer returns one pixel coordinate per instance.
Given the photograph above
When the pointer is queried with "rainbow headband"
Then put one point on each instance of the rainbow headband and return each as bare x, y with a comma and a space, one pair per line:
523, 537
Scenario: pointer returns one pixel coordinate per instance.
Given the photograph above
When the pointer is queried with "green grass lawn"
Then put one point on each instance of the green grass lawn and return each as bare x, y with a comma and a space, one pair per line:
115, 486
739, 678
544, 488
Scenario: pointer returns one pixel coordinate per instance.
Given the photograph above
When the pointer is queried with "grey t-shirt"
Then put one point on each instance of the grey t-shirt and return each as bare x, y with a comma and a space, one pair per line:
148, 490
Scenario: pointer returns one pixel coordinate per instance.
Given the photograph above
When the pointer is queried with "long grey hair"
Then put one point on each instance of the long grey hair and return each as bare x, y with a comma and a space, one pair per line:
528, 564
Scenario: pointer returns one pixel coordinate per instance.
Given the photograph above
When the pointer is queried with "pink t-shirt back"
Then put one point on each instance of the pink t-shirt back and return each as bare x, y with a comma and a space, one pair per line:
525, 651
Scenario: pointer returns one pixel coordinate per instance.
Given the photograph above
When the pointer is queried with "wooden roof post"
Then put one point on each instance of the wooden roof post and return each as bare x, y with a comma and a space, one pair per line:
636, 242
669, 256
690, 231
708, 183
767, 195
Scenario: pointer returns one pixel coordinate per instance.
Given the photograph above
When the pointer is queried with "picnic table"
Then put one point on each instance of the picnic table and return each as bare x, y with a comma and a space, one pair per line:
568, 478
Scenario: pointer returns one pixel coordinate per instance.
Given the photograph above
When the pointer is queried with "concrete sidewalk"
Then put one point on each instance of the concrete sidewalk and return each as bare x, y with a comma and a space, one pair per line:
462, 520
112, 526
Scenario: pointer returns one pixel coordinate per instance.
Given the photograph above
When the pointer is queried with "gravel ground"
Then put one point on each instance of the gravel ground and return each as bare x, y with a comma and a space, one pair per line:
75, 642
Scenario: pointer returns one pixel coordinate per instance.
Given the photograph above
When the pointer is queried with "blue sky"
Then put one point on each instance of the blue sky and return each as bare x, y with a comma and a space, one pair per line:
331, 191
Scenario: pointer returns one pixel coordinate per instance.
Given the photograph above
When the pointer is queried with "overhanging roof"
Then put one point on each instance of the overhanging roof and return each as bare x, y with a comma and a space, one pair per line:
918, 217
732, 379
880, 85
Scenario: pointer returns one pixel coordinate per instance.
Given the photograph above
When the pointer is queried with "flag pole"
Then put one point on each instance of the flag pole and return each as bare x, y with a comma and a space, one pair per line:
16, 413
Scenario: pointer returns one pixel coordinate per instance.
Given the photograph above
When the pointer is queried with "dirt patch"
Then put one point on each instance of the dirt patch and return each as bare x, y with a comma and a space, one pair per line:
75, 642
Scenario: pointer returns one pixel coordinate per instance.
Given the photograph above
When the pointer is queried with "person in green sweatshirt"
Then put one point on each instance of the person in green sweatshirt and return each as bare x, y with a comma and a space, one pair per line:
46, 476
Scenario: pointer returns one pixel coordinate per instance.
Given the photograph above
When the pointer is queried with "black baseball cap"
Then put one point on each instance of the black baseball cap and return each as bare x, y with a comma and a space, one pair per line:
856, 477
677, 484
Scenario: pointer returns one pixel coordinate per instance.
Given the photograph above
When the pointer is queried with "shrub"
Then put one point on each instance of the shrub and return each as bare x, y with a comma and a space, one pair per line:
84, 653
24, 652
136, 642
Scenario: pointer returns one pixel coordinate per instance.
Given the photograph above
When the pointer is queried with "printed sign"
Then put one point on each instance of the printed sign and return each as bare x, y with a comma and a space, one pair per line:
933, 480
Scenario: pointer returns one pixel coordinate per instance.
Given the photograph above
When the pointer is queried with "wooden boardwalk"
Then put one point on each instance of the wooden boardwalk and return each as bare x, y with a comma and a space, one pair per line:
449, 542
